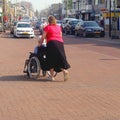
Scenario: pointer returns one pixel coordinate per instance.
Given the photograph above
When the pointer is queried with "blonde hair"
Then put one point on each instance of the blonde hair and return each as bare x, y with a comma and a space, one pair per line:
52, 20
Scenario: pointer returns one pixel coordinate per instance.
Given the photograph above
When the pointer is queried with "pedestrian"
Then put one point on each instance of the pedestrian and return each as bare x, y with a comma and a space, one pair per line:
55, 49
39, 46
102, 23
42, 26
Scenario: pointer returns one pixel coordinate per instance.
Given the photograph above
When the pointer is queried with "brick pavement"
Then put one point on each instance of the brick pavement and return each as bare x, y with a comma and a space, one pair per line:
92, 93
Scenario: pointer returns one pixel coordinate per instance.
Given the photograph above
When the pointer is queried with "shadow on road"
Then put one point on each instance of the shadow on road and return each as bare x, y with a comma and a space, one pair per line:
109, 59
69, 39
22, 78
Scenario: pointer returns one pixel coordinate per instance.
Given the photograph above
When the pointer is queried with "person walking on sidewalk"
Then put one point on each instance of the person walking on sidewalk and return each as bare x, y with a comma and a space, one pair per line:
55, 49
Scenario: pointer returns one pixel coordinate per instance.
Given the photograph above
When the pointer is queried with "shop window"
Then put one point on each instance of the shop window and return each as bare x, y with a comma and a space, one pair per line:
118, 3
89, 1
101, 1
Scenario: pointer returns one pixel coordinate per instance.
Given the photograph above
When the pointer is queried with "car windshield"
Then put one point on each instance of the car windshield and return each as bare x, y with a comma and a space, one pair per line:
74, 22
59, 22
25, 20
91, 24
24, 25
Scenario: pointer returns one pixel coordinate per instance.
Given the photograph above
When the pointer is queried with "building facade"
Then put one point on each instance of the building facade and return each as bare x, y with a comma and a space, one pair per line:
79, 9
90, 9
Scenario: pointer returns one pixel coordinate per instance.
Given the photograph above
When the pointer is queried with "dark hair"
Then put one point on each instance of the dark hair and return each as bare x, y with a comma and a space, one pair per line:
52, 20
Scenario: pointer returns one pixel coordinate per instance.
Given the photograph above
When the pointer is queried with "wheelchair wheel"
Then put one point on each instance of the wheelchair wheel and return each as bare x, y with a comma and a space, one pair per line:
34, 68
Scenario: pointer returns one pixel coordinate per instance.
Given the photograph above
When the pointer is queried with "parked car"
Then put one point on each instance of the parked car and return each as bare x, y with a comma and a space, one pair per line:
1, 27
64, 21
89, 28
59, 22
70, 26
12, 27
23, 29
37, 24
43, 24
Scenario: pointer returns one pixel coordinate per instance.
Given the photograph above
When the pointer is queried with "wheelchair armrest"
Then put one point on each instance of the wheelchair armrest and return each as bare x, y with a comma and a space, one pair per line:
32, 54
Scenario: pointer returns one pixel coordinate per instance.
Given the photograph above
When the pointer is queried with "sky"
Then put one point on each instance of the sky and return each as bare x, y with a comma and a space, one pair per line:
41, 4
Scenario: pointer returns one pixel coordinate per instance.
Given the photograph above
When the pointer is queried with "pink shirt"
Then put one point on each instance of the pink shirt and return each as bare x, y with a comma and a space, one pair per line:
53, 33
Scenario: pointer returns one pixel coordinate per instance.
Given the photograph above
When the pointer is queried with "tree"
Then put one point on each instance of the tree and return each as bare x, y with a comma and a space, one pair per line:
69, 4
37, 13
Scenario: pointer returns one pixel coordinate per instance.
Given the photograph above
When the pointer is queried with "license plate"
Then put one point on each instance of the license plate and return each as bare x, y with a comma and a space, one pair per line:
25, 33
97, 32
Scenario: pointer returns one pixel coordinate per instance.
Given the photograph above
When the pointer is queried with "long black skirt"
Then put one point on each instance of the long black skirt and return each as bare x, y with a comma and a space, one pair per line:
56, 57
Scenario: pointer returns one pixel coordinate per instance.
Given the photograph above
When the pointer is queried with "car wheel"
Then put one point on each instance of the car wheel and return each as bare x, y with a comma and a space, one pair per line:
71, 33
66, 32
102, 35
84, 34
76, 34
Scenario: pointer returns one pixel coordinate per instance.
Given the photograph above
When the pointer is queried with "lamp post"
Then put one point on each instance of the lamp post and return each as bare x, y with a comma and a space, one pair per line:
78, 13
3, 14
109, 18
66, 4
59, 11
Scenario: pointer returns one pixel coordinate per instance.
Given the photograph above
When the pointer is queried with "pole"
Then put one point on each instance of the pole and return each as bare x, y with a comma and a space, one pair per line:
3, 14
110, 18
114, 21
15, 9
66, 8
78, 9
59, 11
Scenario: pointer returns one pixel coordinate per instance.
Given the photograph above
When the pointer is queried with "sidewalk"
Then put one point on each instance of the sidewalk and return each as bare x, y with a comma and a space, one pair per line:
5, 34
113, 39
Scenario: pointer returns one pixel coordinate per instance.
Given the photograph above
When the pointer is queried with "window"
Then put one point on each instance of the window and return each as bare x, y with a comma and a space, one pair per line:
101, 1
118, 3
97, 2
74, 5
89, 1
23, 25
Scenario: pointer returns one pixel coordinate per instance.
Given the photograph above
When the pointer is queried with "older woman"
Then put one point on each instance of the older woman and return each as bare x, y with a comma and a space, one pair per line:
55, 48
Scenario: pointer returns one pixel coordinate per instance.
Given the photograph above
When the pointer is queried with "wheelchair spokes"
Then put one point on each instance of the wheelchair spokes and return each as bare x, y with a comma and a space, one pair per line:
34, 67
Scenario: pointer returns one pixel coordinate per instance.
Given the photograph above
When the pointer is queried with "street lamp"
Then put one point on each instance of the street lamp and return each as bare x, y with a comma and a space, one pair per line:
78, 14
59, 11
114, 20
109, 18
3, 14
66, 4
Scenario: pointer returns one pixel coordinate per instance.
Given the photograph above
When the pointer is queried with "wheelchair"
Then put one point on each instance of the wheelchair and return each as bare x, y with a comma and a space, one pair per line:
36, 64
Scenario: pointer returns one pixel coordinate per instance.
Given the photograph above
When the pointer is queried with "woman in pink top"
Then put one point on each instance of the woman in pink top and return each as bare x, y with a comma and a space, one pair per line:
55, 48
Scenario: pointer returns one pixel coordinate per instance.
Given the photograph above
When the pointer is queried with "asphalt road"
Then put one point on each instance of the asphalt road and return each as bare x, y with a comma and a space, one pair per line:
91, 93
